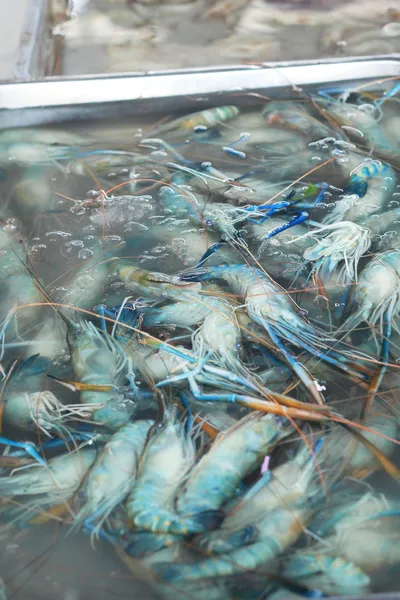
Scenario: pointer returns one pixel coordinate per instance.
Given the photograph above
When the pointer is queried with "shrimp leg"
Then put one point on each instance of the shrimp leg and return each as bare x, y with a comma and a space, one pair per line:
384, 359
296, 366
29, 448
256, 404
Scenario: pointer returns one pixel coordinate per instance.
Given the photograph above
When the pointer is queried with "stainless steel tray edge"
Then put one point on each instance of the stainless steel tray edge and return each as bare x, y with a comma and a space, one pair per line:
63, 99
151, 85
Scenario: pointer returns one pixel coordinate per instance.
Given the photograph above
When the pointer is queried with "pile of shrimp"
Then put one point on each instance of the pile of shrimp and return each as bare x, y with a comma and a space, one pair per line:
199, 343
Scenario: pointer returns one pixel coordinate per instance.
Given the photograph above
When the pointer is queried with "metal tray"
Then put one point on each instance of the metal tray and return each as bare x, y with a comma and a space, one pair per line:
65, 99
53, 100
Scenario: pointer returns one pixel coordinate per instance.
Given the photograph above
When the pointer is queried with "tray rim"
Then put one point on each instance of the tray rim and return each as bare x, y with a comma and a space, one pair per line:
101, 89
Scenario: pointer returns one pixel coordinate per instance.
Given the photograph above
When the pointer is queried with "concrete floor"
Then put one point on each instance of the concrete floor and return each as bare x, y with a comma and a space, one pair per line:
12, 20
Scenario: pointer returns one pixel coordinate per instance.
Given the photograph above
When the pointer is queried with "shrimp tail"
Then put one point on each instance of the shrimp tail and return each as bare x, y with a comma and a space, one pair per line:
34, 365
228, 543
143, 543
206, 520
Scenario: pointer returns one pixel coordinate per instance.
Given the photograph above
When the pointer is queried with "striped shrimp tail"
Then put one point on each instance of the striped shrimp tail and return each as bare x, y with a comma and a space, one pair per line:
144, 543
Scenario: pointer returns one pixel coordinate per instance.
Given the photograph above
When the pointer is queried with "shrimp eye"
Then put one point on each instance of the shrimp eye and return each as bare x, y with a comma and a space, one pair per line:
78, 332
209, 222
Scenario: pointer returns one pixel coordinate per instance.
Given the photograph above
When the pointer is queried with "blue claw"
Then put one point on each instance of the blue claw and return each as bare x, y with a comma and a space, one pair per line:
29, 448
209, 252
189, 415
392, 92
101, 309
303, 216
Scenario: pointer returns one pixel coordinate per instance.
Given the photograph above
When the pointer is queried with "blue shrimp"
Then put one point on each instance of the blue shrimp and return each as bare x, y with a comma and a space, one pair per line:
332, 575
205, 118
233, 456
111, 476
376, 299
99, 360
61, 476
338, 247
361, 125
271, 307
150, 283
369, 190
363, 532
296, 118
287, 485
27, 408
276, 533
168, 457
219, 332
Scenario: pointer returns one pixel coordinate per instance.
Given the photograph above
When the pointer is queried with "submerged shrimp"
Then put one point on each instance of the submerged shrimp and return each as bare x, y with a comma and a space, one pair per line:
369, 190
276, 533
339, 247
151, 283
219, 332
360, 123
271, 307
167, 458
205, 119
377, 292
112, 474
98, 359
61, 477
27, 408
287, 485
365, 533
231, 458
331, 575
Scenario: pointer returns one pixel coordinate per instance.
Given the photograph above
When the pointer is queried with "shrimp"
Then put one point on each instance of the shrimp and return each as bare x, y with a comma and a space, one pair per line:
205, 119
342, 244
331, 575
287, 485
383, 229
377, 292
296, 118
231, 458
33, 192
98, 359
27, 408
168, 457
364, 534
271, 307
360, 123
33, 153
111, 476
60, 477
368, 192
355, 457
151, 283
219, 333
276, 533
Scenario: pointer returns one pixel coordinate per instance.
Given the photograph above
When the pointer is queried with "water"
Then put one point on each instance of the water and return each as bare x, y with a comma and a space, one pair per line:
156, 202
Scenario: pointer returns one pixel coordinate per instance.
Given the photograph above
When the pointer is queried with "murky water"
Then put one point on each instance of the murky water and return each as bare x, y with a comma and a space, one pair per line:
108, 214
